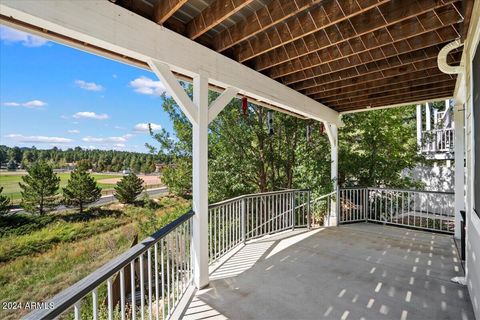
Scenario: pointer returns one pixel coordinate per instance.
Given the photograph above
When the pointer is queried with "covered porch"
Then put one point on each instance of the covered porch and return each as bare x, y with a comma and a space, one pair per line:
247, 257
355, 271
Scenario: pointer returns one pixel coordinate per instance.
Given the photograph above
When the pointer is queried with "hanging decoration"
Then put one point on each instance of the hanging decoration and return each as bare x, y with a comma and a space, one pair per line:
308, 132
270, 122
244, 106
322, 128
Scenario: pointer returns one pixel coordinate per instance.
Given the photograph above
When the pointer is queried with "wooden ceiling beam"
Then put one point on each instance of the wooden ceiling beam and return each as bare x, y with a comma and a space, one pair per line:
406, 100
330, 14
314, 28
164, 9
361, 87
439, 85
374, 67
218, 11
393, 85
307, 68
320, 49
274, 12
380, 75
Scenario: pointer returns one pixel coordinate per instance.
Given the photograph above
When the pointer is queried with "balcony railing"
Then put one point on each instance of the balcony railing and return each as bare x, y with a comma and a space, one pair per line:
148, 280
425, 210
234, 221
438, 140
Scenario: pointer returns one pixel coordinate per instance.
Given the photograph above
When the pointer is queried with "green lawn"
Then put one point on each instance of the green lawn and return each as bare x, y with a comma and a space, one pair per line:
10, 181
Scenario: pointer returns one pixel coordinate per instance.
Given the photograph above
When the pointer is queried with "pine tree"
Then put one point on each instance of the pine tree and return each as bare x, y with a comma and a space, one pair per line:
39, 188
81, 189
127, 189
4, 203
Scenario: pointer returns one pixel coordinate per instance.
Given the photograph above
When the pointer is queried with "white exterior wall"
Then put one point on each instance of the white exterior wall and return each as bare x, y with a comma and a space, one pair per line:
463, 93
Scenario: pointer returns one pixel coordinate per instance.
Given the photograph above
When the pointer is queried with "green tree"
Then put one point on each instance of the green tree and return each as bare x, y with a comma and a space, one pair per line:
81, 189
376, 146
128, 189
39, 188
4, 203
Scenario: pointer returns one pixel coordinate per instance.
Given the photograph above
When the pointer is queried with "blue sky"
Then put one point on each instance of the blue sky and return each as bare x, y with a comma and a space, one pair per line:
53, 95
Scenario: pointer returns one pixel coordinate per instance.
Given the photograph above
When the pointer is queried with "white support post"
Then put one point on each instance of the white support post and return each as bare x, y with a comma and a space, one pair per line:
459, 122
419, 126
200, 182
332, 132
428, 117
199, 114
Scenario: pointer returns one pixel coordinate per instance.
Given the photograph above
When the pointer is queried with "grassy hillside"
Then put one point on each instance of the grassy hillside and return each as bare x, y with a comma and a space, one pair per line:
40, 256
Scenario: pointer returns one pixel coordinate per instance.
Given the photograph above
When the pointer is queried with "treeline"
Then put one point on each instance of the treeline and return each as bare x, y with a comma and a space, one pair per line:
13, 158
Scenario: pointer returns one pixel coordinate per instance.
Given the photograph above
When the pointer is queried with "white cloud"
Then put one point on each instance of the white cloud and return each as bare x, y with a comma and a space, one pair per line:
28, 104
120, 145
148, 86
143, 127
10, 35
74, 131
117, 140
37, 139
90, 86
90, 115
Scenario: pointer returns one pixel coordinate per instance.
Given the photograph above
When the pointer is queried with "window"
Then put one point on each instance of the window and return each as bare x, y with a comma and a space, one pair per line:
476, 124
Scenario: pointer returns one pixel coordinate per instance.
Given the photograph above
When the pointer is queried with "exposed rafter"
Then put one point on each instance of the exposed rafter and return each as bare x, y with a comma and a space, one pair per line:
275, 12
214, 14
421, 77
305, 68
422, 59
404, 100
327, 16
341, 40
166, 8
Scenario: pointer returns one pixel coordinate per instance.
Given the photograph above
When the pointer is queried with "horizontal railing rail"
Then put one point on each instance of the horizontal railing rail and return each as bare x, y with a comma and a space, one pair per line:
420, 209
156, 286
236, 220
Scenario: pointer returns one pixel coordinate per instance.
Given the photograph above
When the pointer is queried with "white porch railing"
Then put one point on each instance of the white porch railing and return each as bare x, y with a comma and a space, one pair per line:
438, 140
234, 221
426, 210
147, 281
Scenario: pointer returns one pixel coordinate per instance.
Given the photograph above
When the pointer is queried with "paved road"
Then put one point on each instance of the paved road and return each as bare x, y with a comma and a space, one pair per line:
106, 199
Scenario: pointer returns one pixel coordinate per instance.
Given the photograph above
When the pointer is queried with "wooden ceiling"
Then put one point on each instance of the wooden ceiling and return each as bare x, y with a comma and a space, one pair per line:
346, 54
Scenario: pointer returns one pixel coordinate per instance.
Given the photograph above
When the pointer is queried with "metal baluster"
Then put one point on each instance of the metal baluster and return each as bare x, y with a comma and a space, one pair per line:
122, 294
77, 309
167, 253
110, 298
142, 289
95, 304
149, 263
132, 290
157, 296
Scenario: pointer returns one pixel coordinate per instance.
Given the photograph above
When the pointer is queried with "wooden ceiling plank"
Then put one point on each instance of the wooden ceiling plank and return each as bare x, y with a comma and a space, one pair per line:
390, 85
164, 9
402, 28
371, 67
438, 85
407, 99
326, 14
217, 12
275, 12
422, 41
378, 75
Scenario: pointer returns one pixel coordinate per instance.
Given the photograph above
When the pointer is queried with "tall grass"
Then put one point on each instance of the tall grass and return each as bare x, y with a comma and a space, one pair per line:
64, 250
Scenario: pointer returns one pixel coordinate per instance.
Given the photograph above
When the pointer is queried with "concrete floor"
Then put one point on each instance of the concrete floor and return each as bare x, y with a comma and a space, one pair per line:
356, 271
